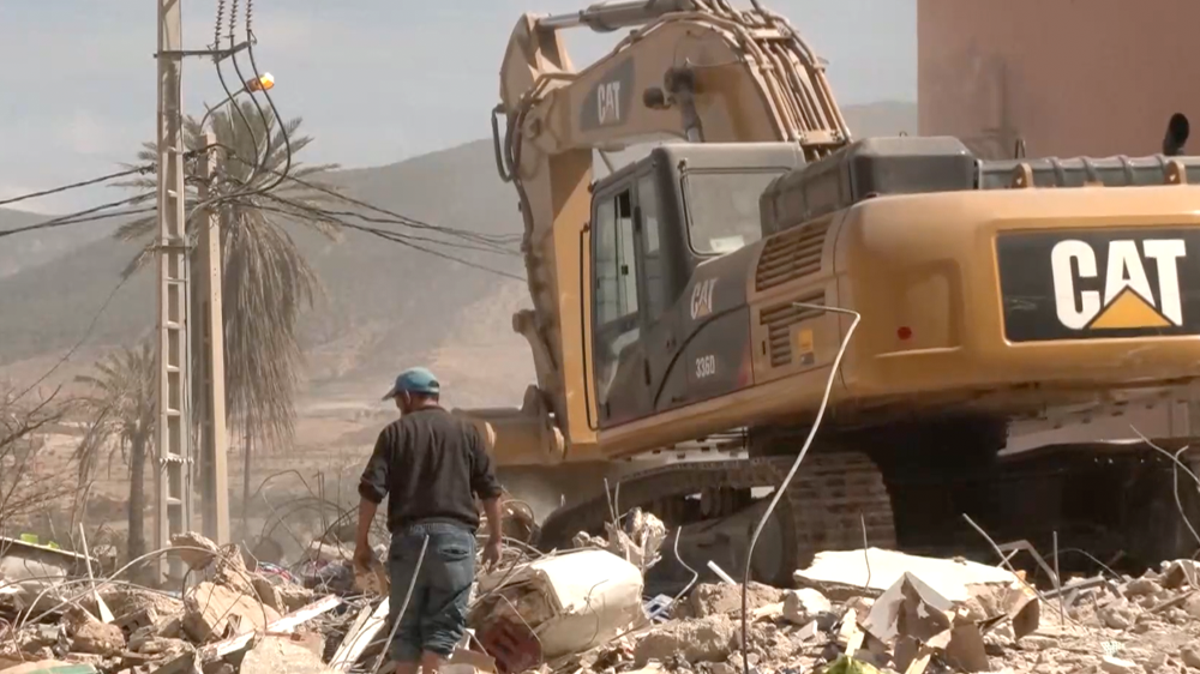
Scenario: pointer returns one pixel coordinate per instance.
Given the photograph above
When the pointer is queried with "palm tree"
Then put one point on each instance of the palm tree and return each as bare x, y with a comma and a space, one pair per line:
122, 402
267, 282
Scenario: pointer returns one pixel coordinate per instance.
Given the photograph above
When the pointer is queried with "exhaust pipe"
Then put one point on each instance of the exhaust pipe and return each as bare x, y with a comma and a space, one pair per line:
1177, 134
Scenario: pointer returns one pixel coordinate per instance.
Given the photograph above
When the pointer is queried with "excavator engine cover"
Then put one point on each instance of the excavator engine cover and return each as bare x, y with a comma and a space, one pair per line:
864, 169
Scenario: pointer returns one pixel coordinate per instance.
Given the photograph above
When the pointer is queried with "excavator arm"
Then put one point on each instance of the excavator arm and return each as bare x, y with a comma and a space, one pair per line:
699, 70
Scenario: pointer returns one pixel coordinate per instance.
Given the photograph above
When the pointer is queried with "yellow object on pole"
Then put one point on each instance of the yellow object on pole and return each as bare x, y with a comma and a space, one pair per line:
262, 83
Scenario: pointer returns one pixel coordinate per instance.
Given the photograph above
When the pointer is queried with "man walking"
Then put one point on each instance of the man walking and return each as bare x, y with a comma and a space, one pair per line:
432, 465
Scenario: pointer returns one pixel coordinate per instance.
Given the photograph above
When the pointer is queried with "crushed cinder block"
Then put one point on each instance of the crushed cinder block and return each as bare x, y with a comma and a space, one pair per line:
708, 639
89, 635
211, 610
196, 550
804, 605
712, 598
275, 655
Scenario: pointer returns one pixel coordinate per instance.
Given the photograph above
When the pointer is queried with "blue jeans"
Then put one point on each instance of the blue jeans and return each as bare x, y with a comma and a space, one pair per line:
436, 616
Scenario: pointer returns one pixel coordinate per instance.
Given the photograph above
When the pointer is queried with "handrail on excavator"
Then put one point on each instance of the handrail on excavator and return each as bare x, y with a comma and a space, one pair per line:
606, 17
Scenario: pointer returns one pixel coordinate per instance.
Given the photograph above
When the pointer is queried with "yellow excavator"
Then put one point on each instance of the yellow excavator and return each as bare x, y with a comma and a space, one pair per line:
678, 302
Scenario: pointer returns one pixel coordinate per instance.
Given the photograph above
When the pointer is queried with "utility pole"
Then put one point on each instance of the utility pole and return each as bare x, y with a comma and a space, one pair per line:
214, 497
174, 476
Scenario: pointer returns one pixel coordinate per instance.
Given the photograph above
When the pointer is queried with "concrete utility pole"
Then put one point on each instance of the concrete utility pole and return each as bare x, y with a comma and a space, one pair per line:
174, 475
214, 496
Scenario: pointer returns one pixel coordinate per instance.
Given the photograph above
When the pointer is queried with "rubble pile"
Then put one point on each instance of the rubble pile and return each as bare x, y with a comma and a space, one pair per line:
587, 610
968, 617
225, 616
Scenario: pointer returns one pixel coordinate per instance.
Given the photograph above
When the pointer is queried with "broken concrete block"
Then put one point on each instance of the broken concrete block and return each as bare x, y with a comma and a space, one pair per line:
196, 550
89, 635
294, 597
1142, 587
212, 609
713, 598
802, 606
1119, 615
268, 593
273, 655
1190, 656
709, 639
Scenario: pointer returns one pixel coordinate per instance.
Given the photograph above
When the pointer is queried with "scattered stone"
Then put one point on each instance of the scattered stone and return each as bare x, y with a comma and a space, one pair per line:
802, 606
1117, 615
187, 544
708, 639
268, 593
275, 655
1190, 656
713, 598
294, 596
89, 635
1190, 607
211, 609
1142, 587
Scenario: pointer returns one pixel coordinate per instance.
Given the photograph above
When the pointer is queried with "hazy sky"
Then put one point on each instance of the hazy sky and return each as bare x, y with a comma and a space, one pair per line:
375, 80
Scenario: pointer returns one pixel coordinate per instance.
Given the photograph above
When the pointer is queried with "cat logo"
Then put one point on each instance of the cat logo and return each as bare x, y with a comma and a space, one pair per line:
702, 298
1126, 299
608, 107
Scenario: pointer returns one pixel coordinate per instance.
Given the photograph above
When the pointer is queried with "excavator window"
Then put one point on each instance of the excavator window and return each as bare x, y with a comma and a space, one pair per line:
616, 291
722, 208
652, 263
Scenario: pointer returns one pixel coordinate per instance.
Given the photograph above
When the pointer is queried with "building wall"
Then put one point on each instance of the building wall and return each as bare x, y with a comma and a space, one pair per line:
1072, 77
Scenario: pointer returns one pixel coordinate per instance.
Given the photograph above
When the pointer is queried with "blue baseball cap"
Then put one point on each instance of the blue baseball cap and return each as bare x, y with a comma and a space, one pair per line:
415, 380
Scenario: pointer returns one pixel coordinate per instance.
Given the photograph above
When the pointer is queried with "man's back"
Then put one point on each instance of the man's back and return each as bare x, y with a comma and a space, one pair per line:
432, 464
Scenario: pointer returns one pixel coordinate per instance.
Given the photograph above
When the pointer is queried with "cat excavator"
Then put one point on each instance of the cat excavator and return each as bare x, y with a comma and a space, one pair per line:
680, 304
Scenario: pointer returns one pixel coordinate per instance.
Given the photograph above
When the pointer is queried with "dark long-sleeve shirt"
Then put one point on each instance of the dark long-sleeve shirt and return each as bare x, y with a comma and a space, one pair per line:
432, 464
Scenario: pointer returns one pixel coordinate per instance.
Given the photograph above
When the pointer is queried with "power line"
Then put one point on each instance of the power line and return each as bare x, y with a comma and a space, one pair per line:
398, 218
83, 183
84, 216
335, 217
401, 239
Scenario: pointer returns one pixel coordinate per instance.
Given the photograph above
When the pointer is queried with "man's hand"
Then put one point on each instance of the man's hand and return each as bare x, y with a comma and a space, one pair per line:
364, 557
491, 552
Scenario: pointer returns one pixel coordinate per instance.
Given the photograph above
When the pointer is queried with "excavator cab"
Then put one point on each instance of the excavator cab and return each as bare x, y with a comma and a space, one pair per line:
654, 224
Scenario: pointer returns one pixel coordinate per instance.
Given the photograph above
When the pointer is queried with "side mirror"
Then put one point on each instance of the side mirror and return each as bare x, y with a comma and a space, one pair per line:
1177, 134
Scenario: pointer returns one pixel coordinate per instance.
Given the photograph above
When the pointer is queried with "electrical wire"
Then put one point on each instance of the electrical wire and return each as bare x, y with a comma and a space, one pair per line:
83, 183
251, 40
88, 215
229, 93
401, 239
334, 217
779, 492
394, 217
262, 115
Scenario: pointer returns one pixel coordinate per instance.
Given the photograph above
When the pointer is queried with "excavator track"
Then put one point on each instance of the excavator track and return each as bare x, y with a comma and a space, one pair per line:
824, 508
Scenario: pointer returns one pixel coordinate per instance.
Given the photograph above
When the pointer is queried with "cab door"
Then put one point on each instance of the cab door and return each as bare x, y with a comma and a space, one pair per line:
618, 294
